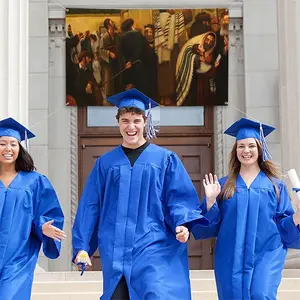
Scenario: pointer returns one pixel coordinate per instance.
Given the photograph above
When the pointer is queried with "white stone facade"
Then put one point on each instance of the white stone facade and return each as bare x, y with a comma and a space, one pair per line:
264, 82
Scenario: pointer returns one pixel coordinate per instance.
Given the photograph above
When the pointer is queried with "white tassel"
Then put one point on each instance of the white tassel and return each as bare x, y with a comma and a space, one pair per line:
265, 151
26, 140
151, 128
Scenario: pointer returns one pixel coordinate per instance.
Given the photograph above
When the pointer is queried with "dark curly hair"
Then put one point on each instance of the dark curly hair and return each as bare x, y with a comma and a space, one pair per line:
129, 109
126, 25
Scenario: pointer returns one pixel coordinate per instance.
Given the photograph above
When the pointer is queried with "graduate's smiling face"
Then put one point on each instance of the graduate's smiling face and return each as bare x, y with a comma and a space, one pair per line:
9, 149
247, 151
132, 129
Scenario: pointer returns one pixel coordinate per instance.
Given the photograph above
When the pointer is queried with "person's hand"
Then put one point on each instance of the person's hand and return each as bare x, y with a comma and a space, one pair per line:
129, 87
112, 55
217, 63
128, 65
79, 258
296, 216
212, 189
182, 234
202, 58
89, 89
53, 232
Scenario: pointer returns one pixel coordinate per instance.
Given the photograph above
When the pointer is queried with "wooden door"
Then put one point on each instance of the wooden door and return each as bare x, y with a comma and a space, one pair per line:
192, 144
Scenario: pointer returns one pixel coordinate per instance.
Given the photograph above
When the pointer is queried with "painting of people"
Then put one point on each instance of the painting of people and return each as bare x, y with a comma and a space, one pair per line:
177, 57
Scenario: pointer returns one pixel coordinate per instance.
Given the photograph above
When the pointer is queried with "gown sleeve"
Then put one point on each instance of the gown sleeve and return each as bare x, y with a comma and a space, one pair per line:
85, 228
180, 196
213, 216
289, 232
48, 208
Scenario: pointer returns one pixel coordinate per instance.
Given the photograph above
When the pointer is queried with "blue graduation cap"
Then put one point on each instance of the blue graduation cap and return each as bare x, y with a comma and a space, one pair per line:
10, 127
135, 98
132, 98
245, 128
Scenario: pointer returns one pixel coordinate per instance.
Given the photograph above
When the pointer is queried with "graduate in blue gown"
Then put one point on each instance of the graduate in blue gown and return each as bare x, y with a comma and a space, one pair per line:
30, 214
136, 208
251, 215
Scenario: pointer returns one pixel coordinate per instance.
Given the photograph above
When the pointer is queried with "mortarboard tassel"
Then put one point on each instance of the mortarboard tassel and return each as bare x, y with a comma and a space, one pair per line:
265, 151
151, 128
83, 268
26, 141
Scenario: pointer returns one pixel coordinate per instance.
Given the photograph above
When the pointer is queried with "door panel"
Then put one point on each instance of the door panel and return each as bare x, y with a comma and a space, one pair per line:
197, 159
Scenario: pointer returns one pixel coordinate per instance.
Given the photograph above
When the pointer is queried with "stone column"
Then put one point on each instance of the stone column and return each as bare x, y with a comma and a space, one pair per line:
24, 62
14, 63
4, 53
289, 57
14, 71
289, 91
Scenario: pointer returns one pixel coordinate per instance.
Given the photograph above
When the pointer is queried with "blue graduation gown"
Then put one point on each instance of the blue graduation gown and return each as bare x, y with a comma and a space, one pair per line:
253, 233
25, 206
131, 214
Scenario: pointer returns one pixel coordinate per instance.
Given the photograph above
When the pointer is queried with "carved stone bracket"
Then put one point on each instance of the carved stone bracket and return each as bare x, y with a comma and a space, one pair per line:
219, 143
73, 165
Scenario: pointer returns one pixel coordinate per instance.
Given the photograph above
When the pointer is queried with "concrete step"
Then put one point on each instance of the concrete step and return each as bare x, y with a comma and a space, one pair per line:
197, 284
72, 286
201, 295
282, 295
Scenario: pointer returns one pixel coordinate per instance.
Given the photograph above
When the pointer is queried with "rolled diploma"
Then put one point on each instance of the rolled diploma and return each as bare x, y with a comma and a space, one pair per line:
294, 180
83, 257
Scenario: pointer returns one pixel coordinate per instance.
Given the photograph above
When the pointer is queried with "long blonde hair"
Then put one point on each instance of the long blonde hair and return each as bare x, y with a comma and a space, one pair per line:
268, 167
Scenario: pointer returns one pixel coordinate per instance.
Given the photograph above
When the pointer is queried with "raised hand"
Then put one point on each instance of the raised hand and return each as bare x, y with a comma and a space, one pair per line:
212, 189
53, 232
182, 234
